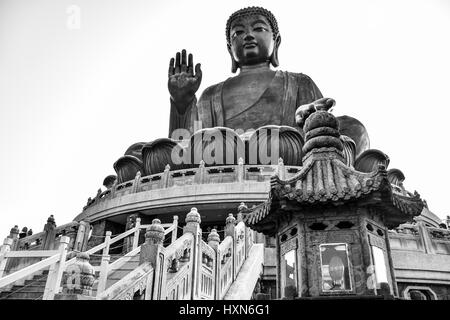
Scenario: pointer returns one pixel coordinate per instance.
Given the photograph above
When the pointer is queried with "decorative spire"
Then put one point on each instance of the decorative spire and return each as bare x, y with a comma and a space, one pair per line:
193, 216
155, 232
230, 219
213, 238
321, 131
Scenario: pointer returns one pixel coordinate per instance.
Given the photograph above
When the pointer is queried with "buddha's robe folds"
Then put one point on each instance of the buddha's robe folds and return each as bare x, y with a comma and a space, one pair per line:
276, 105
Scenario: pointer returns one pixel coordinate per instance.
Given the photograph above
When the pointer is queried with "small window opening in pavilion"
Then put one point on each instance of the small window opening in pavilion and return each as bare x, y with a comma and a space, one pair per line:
380, 265
335, 267
289, 274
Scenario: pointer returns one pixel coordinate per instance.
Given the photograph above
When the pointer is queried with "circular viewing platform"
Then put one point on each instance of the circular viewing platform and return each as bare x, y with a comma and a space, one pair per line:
218, 188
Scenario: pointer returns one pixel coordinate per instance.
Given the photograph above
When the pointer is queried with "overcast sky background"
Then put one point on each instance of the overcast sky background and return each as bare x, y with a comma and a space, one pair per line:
73, 100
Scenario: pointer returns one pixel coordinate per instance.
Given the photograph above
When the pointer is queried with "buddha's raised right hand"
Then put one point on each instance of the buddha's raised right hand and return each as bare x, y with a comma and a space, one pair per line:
183, 84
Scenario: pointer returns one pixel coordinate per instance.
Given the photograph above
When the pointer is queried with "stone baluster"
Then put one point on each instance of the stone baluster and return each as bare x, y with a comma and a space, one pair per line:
154, 238
104, 264
175, 229
56, 271
425, 236
214, 239
113, 189
240, 170
78, 280
6, 247
213, 242
202, 172
82, 237
165, 177
14, 235
281, 169
193, 221
48, 240
136, 233
230, 223
136, 182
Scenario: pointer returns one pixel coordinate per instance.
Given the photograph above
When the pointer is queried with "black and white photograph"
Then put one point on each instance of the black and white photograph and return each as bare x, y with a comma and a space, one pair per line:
253, 152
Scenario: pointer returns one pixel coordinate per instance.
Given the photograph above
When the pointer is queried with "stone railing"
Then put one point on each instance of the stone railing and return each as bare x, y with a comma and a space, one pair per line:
199, 175
419, 237
49, 239
189, 268
53, 261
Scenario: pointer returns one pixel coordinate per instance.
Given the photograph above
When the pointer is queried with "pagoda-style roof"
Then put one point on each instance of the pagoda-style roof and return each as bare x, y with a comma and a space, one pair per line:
327, 179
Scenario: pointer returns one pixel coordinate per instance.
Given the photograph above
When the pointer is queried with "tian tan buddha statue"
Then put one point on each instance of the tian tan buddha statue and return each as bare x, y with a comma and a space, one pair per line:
257, 97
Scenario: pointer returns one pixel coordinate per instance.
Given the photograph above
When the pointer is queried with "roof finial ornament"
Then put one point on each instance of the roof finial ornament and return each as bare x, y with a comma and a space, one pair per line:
320, 126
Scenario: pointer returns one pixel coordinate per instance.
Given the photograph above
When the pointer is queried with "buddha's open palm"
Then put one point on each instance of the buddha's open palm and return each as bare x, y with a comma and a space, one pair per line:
183, 83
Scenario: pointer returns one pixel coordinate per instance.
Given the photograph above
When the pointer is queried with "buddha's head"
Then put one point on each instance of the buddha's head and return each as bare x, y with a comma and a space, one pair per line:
252, 37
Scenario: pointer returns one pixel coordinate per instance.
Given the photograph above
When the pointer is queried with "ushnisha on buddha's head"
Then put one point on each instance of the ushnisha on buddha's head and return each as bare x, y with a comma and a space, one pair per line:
252, 37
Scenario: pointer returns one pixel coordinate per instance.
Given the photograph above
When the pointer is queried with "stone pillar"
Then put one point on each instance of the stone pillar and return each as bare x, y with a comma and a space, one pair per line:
78, 280
48, 240
201, 172
6, 247
175, 229
154, 238
165, 177
14, 235
281, 169
240, 170
137, 181
193, 221
128, 241
213, 242
230, 222
82, 237
214, 239
425, 236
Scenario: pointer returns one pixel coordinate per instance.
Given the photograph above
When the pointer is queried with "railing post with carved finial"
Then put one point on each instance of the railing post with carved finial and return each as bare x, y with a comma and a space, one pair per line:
81, 238
193, 221
202, 172
78, 279
56, 270
230, 223
175, 229
48, 240
6, 247
281, 169
136, 233
242, 208
165, 177
14, 235
213, 242
136, 182
240, 170
425, 237
150, 252
103, 276
113, 189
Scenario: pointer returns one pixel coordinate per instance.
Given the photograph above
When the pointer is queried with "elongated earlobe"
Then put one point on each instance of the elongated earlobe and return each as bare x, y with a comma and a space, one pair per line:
274, 58
234, 64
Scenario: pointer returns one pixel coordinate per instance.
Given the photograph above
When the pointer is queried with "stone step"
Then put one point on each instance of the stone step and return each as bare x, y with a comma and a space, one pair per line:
31, 288
36, 282
21, 295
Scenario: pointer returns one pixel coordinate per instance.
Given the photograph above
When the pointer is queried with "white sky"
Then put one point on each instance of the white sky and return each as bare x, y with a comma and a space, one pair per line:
72, 101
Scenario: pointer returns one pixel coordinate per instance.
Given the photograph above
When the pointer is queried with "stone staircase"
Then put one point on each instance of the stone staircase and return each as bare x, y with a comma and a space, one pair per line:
118, 274
31, 290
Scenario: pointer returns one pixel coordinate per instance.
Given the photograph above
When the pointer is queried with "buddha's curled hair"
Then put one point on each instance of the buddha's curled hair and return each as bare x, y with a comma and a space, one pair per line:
252, 11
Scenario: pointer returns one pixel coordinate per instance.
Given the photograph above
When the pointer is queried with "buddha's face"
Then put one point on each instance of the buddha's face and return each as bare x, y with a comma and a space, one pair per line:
251, 39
